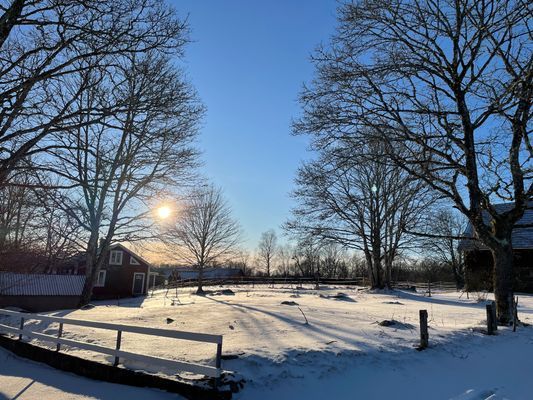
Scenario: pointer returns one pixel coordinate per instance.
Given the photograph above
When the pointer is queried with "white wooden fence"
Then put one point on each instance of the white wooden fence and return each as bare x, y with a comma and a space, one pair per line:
210, 371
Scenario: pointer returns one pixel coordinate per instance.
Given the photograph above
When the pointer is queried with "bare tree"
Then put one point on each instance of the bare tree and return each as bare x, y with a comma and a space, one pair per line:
444, 228
113, 170
333, 260
267, 250
204, 232
285, 265
306, 256
34, 233
448, 86
44, 45
359, 202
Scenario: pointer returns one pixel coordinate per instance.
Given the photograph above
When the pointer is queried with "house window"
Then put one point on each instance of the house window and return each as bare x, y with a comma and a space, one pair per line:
133, 261
115, 257
100, 282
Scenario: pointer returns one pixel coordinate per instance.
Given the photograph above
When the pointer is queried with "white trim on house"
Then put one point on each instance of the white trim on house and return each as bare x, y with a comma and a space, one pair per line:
133, 285
100, 281
115, 257
133, 261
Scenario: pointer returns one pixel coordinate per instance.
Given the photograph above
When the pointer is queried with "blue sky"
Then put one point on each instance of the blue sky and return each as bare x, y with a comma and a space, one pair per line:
248, 61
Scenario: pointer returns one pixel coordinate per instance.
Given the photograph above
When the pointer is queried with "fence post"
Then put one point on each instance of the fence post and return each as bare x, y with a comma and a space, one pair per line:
21, 327
424, 334
218, 361
494, 319
515, 313
59, 333
490, 318
119, 339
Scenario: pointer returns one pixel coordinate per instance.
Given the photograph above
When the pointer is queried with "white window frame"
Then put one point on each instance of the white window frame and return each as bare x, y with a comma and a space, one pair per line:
112, 261
133, 284
102, 283
133, 261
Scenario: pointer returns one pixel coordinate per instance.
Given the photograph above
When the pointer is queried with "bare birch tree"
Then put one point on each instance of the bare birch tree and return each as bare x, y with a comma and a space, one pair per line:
448, 85
204, 231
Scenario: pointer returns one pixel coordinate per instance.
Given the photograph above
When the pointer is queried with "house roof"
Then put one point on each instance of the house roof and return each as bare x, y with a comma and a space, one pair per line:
82, 256
124, 248
522, 238
12, 284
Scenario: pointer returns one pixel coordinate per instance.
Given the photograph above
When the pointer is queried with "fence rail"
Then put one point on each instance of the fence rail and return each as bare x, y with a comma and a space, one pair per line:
250, 280
207, 370
253, 280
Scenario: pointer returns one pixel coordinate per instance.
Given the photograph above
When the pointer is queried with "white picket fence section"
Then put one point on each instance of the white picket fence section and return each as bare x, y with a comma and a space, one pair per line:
207, 370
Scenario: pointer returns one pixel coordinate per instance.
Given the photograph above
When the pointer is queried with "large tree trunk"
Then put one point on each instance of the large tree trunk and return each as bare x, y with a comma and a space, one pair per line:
200, 289
95, 259
503, 281
376, 265
90, 270
388, 273
375, 270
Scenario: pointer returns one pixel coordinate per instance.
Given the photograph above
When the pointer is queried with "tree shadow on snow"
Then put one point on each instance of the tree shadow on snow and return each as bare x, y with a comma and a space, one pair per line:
433, 300
320, 332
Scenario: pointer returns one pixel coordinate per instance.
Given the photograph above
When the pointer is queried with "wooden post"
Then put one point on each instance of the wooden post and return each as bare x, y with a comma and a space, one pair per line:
119, 339
218, 362
424, 334
494, 319
59, 333
21, 327
515, 313
490, 322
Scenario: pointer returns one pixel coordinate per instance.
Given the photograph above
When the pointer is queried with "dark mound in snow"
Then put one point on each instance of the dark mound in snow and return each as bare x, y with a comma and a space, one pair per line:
338, 296
290, 303
223, 292
395, 324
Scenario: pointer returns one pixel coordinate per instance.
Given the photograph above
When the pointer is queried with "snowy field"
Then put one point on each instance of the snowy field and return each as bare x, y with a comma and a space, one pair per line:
342, 352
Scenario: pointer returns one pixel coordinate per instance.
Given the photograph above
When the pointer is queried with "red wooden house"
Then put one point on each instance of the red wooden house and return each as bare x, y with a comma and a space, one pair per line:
124, 274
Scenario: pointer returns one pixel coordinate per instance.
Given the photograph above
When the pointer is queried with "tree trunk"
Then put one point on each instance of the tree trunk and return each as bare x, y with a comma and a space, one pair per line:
458, 277
90, 270
376, 266
503, 281
388, 275
200, 290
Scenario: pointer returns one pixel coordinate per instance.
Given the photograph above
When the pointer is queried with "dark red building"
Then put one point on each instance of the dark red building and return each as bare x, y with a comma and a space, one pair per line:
124, 273
479, 262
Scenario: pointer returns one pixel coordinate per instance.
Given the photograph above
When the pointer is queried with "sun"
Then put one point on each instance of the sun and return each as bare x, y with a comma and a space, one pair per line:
164, 212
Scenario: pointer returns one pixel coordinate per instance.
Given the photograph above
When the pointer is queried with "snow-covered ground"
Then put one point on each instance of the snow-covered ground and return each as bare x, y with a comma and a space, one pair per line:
22, 379
341, 353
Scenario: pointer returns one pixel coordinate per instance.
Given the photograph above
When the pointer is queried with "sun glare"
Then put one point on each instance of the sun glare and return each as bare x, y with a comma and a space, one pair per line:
164, 212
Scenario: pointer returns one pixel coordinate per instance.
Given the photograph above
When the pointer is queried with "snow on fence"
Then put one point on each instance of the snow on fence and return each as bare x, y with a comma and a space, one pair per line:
210, 371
